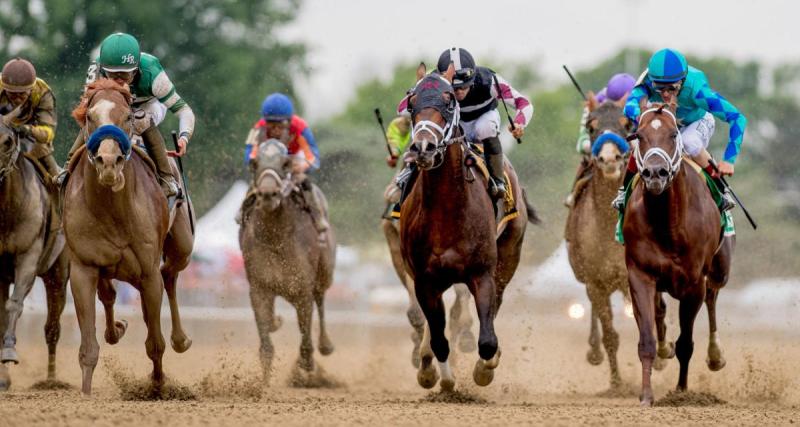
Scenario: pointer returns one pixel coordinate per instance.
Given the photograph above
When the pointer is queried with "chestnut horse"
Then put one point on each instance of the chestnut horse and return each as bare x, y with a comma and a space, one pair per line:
673, 244
118, 226
594, 255
448, 232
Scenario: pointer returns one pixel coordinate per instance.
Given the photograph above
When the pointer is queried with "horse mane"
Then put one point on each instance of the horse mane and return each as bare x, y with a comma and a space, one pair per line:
79, 113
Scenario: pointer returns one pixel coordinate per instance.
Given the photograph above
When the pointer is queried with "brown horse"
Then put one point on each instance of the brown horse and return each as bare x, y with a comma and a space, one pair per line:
596, 258
448, 232
673, 244
118, 226
31, 244
460, 318
283, 255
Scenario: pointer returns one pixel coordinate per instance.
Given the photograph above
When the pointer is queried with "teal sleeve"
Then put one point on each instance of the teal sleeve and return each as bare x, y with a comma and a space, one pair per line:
711, 101
632, 109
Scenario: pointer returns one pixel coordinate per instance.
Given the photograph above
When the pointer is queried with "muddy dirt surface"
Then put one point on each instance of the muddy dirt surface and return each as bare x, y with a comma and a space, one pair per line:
543, 378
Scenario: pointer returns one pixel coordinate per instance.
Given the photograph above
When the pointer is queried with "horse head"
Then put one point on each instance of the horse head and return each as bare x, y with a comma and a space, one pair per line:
105, 114
659, 148
434, 112
607, 127
9, 143
272, 172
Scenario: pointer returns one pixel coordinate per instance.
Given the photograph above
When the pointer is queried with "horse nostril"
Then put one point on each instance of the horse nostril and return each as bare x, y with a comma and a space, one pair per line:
618, 157
99, 160
646, 173
120, 159
430, 147
663, 173
414, 148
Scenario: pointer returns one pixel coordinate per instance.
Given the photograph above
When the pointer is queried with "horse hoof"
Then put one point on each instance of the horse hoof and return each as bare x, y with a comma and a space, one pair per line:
277, 322
666, 351
113, 336
447, 384
645, 402
427, 376
659, 364
5, 379
9, 354
325, 347
716, 364
180, 345
482, 374
466, 342
594, 357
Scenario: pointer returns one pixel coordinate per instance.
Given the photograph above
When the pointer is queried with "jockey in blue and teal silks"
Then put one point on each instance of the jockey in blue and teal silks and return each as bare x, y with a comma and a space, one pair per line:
669, 78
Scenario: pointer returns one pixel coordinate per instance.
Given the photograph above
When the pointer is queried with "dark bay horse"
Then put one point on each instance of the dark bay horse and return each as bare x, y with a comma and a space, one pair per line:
118, 226
596, 258
31, 245
448, 232
283, 255
673, 244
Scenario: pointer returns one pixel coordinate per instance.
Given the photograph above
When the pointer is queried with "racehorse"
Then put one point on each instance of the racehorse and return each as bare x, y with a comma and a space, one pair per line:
448, 231
118, 226
31, 244
283, 255
460, 318
596, 258
673, 244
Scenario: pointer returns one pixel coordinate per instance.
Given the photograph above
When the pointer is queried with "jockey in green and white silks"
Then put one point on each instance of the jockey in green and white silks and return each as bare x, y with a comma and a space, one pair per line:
153, 93
669, 78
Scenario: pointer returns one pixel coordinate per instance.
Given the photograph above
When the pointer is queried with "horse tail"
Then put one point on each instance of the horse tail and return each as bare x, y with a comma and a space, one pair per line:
533, 216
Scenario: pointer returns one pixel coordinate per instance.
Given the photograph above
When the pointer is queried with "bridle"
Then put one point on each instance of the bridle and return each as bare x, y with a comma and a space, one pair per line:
674, 160
286, 185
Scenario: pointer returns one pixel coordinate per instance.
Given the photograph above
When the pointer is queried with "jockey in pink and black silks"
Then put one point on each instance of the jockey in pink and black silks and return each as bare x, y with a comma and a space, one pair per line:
478, 90
279, 122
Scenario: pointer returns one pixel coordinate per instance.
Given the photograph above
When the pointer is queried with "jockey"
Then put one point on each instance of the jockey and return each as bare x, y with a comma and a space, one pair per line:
153, 93
399, 135
279, 122
617, 89
20, 88
477, 91
667, 78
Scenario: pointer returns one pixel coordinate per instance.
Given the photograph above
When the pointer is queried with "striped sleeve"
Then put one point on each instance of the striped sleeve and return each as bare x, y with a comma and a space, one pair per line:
632, 109
711, 101
512, 98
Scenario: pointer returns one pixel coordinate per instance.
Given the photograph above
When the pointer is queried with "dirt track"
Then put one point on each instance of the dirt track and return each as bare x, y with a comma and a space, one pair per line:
543, 378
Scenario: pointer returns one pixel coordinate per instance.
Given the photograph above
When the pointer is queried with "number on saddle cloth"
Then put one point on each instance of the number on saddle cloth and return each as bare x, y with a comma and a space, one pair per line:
105, 132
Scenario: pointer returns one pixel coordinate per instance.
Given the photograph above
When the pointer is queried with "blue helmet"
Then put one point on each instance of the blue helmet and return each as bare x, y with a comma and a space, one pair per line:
277, 107
667, 66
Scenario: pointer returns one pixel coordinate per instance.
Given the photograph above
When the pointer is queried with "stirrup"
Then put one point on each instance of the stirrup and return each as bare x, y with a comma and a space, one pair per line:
619, 202
727, 202
498, 188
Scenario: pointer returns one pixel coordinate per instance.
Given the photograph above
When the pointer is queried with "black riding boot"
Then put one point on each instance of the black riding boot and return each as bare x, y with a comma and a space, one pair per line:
315, 209
493, 151
157, 149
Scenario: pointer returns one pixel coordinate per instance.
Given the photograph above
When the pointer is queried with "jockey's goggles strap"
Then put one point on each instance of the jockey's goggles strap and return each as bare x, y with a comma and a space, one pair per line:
674, 160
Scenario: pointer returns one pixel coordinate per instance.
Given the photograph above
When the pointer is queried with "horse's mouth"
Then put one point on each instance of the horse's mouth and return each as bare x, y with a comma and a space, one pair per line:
425, 162
114, 180
656, 186
268, 202
611, 170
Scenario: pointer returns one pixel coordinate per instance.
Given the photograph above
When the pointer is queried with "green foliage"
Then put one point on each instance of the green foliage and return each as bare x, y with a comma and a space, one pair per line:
222, 56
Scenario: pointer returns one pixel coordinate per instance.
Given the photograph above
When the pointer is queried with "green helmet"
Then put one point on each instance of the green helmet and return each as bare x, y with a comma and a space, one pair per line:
119, 52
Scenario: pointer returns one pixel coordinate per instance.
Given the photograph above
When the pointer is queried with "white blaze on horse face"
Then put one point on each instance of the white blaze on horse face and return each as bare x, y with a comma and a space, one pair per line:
102, 112
655, 124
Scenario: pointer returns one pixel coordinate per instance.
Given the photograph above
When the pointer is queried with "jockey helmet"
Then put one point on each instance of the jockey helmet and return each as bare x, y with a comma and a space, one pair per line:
619, 85
119, 52
463, 63
277, 107
667, 66
18, 75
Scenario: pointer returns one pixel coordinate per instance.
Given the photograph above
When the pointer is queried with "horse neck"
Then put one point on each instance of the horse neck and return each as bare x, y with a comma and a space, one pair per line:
445, 187
669, 210
279, 225
602, 192
103, 202
12, 196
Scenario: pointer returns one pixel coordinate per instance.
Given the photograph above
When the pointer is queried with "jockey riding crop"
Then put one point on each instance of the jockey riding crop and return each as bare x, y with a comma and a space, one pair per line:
713, 164
575, 82
383, 130
183, 176
508, 116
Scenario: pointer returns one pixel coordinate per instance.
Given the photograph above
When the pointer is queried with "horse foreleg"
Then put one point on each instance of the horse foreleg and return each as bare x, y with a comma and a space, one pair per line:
264, 310
684, 347
716, 360
55, 282
461, 321
152, 293
610, 338
643, 291
5, 378
594, 356
666, 349
304, 314
25, 274
83, 281
325, 345
483, 289
430, 300
115, 329
178, 339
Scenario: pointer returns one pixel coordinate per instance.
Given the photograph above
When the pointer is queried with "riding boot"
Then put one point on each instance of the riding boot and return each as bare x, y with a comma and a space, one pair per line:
315, 209
726, 202
52, 168
405, 181
619, 202
157, 149
493, 151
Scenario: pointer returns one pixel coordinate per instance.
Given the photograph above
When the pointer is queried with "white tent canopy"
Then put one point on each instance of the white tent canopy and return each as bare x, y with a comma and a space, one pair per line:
217, 231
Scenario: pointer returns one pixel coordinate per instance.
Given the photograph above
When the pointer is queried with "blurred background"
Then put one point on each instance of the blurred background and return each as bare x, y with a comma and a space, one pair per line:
340, 60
